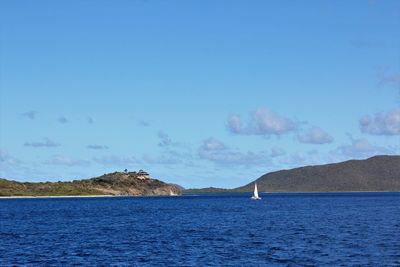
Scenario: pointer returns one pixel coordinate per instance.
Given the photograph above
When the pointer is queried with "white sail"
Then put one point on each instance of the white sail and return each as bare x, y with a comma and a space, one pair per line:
255, 191
255, 195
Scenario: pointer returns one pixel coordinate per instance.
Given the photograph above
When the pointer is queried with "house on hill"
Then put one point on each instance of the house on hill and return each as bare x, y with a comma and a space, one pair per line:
142, 175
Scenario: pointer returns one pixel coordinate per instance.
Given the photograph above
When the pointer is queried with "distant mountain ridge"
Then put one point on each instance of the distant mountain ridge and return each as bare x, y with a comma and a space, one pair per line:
117, 184
211, 190
378, 173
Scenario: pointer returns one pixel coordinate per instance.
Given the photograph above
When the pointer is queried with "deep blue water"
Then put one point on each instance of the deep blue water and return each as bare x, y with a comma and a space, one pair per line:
225, 230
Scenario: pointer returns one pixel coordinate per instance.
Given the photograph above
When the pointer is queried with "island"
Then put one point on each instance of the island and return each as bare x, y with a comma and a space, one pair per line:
112, 184
378, 174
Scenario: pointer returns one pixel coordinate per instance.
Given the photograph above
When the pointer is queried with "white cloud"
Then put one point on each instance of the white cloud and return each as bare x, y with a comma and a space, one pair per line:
315, 135
212, 144
381, 123
262, 122
235, 124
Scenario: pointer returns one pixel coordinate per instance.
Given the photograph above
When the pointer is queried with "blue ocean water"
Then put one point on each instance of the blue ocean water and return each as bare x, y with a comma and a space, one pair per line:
213, 230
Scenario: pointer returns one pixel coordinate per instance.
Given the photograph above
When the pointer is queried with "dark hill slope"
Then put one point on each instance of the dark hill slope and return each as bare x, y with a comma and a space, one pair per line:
379, 173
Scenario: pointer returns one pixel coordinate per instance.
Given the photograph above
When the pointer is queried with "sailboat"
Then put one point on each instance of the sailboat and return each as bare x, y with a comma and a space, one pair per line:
255, 195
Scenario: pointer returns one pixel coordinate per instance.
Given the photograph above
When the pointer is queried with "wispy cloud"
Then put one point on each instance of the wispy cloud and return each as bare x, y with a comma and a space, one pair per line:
381, 123
3, 156
97, 147
45, 143
6, 158
114, 160
262, 122
361, 44
30, 114
312, 157
163, 159
216, 151
297, 159
360, 148
67, 161
389, 78
144, 123
355, 149
165, 140
315, 135
89, 120
171, 152
62, 120
277, 152
13, 168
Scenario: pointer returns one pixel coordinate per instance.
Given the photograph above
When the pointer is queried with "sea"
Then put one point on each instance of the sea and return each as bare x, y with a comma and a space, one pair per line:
291, 229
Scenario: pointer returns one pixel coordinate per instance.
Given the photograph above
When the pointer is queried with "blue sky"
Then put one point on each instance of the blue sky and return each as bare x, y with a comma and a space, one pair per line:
198, 93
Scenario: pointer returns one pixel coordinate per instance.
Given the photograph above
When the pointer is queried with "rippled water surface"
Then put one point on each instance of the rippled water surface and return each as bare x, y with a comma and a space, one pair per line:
225, 230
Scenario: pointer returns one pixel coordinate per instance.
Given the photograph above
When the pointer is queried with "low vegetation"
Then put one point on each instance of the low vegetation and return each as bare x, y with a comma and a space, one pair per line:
117, 183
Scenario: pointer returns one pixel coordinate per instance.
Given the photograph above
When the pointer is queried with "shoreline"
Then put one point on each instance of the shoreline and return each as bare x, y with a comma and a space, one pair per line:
300, 192
73, 196
295, 192
335, 192
197, 194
